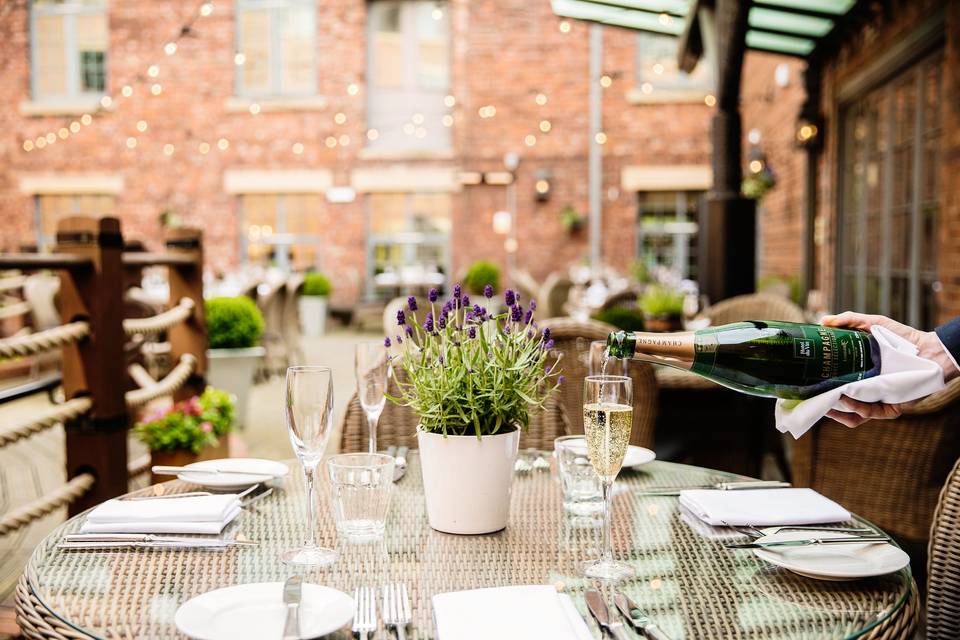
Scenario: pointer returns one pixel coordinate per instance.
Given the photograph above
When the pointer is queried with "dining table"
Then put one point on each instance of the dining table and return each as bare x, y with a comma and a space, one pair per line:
686, 580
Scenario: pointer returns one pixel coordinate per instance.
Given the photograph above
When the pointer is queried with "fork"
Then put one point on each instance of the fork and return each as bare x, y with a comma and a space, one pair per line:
396, 608
365, 618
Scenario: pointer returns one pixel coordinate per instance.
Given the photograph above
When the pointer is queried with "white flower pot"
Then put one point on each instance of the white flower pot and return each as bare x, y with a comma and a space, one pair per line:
467, 480
232, 370
313, 315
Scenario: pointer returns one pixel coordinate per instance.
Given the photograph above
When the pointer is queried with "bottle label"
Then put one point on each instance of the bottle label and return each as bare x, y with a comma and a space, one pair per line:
803, 348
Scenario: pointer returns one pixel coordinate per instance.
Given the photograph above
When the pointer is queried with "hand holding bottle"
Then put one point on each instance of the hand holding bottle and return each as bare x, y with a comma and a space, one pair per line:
928, 345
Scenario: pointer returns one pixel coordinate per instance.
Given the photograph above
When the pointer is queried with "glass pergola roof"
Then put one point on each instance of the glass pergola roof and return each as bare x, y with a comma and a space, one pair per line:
788, 27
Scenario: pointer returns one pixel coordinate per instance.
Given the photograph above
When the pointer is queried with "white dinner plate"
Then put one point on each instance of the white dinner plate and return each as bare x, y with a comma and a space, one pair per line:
834, 562
637, 456
257, 611
255, 470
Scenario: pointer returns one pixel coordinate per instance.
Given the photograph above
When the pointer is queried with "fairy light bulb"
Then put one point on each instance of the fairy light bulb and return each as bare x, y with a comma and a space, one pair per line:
64, 133
545, 126
417, 118
340, 118
142, 126
131, 142
353, 89
223, 144
564, 26
709, 100
170, 48
449, 101
28, 145
331, 142
106, 101
51, 138
153, 71
168, 149
297, 148
530, 140
86, 119
126, 91
41, 143
206, 9
204, 148
541, 99
447, 120
254, 108
372, 134
156, 89
75, 126
601, 137
239, 59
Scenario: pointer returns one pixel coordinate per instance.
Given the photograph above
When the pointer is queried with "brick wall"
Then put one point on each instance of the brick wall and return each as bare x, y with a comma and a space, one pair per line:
503, 53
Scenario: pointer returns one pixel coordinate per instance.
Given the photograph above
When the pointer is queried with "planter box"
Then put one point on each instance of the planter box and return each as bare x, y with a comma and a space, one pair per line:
313, 315
232, 370
467, 480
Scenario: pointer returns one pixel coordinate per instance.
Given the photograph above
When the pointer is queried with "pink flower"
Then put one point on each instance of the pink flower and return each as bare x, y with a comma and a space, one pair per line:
206, 426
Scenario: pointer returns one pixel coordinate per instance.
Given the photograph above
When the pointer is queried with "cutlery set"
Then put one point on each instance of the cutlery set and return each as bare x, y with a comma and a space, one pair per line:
613, 625
721, 486
147, 541
395, 607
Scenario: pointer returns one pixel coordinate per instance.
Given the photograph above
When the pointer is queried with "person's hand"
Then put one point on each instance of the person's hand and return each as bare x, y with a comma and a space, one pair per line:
928, 346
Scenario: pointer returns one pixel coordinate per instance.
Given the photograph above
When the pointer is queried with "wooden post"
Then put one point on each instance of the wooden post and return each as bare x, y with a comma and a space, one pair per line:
95, 367
186, 281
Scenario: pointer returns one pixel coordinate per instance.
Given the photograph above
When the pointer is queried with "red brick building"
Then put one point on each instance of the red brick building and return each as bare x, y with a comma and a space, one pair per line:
344, 135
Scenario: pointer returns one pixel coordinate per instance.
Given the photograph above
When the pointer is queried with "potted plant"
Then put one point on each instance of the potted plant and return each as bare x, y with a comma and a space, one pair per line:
313, 304
662, 308
570, 219
480, 274
189, 431
472, 380
234, 327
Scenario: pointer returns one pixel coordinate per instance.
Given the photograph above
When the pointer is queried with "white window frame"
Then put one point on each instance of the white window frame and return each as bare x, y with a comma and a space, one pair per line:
69, 12
281, 239
276, 88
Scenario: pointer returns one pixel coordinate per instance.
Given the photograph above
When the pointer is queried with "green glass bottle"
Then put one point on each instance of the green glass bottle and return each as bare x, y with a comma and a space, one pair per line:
763, 358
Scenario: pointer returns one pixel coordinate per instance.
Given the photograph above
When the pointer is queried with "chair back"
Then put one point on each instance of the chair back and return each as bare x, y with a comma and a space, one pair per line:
554, 295
572, 339
291, 318
943, 563
623, 299
754, 306
526, 284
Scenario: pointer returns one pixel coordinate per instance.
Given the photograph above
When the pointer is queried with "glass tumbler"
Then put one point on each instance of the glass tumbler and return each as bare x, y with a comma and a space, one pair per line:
361, 485
582, 491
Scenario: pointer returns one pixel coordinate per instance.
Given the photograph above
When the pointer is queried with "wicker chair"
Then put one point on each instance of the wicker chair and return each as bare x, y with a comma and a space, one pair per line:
572, 338
291, 318
889, 471
398, 426
526, 284
625, 298
943, 563
754, 306
554, 295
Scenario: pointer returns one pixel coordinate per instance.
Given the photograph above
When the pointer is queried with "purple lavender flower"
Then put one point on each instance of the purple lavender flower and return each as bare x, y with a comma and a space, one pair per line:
546, 333
442, 321
528, 316
533, 305
516, 313
400, 339
401, 317
477, 310
547, 369
412, 303
440, 359
465, 301
409, 331
561, 378
386, 342
457, 290
510, 297
428, 323
472, 332
488, 290
469, 315
433, 295
529, 333
549, 344
447, 307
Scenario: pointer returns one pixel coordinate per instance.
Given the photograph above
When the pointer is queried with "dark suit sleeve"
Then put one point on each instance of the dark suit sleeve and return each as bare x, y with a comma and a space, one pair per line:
949, 334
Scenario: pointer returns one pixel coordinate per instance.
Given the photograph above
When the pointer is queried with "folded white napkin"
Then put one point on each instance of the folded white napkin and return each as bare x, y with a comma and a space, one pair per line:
508, 613
762, 507
904, 376
203, 514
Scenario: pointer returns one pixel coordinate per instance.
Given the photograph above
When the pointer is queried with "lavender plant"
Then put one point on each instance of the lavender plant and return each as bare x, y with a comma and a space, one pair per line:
471, 373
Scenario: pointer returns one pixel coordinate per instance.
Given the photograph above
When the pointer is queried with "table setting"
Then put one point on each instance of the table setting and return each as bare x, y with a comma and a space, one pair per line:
455, 540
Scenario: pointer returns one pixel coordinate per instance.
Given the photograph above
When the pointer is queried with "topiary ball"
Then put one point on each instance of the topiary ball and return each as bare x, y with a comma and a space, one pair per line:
233, 323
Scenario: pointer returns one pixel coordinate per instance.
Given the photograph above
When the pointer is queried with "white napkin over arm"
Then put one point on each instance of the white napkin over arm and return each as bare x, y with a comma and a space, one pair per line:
904, 376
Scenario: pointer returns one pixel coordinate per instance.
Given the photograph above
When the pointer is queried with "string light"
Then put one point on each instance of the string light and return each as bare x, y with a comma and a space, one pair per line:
372, 134
545, 126
170, 48
487, 111
254, 108
131, 142
353, 89
142, 126
756, 166
330, 142
647, 88
168, 149
530, 140
86, 119
204, 148
239, 59
223, 144
156, 89
417, 118
64, 133
28, 145
437, 13
709, 100
297, 148
206, 9
449, 101
51, 138
75, 127
106, 101
344, 140
605, 81
665, 19
601, 137
340, 118
41, 143
153, 71
541, 99
447, 120
658, 69
564, 26
126, 91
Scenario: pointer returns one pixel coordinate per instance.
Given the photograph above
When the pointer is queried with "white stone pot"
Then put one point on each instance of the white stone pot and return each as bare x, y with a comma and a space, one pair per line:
467, 480
232, 370
313, 315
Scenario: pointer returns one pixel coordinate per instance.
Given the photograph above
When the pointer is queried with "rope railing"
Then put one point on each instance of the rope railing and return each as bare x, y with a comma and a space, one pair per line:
59, 497
54, 338
160, 322
11, 283
170, 383
139, 466
60, 413
14, 309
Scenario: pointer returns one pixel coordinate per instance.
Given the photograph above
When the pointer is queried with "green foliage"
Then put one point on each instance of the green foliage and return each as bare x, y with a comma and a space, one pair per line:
756, 185
316, 284
639, 271
233, 323
787, 283
622, 318
191, 424
570, 219
658, 300
480, 274
471, 374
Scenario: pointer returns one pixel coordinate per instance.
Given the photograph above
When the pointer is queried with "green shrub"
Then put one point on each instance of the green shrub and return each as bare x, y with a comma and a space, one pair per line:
480, 274
658, 300
233, 323
316, 284
622, 318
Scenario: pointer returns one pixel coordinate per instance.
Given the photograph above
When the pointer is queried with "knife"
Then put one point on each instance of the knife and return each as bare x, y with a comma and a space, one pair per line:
719, 486
807, 542
602, 615
640, 620
292, 589
150, 537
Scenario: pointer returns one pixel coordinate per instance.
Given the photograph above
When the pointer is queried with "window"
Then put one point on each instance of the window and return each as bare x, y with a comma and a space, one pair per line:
50, 209
667, 230
657, 70
408, 239
281, 230
889, 202
409, 74
276, 39
68, 48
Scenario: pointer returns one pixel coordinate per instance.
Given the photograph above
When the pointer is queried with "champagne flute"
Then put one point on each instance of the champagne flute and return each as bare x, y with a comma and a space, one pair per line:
607, 421
309, 413
372, 370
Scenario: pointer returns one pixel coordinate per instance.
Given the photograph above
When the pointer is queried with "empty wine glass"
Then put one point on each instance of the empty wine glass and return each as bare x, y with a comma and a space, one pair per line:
309, 413
372, 370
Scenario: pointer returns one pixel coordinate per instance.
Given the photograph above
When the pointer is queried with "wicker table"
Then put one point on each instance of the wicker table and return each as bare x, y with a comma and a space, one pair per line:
689, 583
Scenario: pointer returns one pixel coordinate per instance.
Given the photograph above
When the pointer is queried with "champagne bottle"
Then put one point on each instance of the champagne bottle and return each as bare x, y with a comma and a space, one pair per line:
762, 358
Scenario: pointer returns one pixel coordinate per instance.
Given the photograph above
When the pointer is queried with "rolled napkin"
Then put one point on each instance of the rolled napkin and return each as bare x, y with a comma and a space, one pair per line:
904, 376
762, 507
201, 514
508, 613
